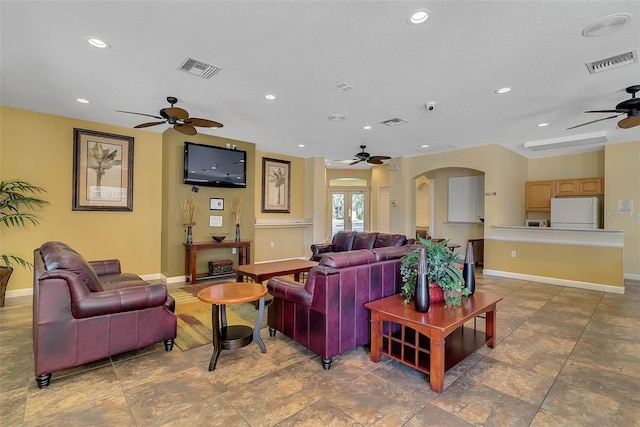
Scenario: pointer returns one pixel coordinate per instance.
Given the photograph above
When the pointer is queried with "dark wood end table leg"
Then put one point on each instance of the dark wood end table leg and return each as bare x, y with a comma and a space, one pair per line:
217, 345
491, 327
376, 338
436, 365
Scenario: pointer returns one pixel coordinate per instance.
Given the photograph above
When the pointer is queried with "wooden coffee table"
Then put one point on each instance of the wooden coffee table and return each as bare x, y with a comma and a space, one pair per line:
227, 337
266, 270
418, 339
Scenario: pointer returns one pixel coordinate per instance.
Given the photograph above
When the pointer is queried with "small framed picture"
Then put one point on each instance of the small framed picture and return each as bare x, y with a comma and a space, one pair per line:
216, 204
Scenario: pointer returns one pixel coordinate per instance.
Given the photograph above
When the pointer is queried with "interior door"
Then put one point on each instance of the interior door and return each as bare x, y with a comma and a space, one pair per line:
349, 211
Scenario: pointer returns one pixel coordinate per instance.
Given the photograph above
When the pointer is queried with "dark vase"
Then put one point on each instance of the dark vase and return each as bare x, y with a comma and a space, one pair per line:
469, 270
237, 232
421, 295
189, 235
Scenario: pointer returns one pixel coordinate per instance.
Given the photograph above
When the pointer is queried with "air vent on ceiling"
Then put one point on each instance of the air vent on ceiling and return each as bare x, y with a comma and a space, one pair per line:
394, 122
199, 68
344, 86
606, 25
595, 138
613, 62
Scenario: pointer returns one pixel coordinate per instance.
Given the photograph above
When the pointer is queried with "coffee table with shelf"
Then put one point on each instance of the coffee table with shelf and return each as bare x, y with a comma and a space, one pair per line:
431, 342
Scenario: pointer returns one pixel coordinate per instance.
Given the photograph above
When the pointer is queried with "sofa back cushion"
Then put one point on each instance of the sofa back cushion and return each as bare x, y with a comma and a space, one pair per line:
386, 239
364, 241
59, 256
348, 259
343, 240
391, 252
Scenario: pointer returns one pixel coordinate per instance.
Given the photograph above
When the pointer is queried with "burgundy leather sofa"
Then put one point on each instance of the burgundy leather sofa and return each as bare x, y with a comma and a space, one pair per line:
352, 240
327, 314
85, 311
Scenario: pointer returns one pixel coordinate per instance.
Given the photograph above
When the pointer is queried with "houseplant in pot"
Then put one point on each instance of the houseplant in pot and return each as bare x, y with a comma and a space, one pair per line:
441, 272
17, 203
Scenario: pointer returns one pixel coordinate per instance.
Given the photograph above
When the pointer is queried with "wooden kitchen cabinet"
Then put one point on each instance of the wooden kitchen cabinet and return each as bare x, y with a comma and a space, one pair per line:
539, 195
580, 187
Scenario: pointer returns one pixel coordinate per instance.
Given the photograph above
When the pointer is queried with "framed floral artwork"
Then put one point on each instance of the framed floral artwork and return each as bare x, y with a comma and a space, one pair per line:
102, 171
276, 185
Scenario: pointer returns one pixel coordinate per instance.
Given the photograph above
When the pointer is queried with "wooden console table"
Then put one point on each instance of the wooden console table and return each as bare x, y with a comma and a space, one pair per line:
244, 256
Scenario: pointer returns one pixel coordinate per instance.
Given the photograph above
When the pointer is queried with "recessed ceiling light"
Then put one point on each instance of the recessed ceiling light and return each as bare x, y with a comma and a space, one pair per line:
270, 97
301, 145
367, 127
98, 43
418, 16
503, 90
82, 100
541, 125
424, 146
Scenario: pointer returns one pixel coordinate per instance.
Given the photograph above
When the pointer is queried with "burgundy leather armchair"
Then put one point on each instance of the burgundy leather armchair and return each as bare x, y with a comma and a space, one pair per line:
85, 311
327, 314
352, 240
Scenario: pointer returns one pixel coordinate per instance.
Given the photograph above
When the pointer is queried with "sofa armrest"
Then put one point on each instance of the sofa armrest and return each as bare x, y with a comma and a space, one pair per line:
107, 266
289, 290
320, 248
119, 300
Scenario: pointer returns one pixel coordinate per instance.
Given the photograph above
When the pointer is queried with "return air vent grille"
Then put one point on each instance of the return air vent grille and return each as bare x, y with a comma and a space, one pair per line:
596, 138
198, 68
612, 62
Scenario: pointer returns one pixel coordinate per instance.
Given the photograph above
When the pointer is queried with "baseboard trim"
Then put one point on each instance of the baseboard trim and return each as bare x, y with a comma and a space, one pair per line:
629, 276
554, 281
19, 293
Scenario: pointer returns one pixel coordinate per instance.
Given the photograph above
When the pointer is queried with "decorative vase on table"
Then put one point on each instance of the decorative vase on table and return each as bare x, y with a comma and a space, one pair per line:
469, 270
189, 235
421, 296
237, 232
436, 294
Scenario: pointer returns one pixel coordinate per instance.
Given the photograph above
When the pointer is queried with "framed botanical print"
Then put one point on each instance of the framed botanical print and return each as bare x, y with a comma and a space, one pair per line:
276, 185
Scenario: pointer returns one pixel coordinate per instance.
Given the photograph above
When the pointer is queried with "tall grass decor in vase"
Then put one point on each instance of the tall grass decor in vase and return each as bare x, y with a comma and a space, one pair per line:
236, 213
189, 206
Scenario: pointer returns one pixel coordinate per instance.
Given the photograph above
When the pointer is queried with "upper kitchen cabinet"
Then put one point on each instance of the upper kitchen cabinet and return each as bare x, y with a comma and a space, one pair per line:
538, 195
580, 187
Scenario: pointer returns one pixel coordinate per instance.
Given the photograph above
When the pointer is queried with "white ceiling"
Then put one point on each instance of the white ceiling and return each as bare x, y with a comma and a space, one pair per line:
300, 51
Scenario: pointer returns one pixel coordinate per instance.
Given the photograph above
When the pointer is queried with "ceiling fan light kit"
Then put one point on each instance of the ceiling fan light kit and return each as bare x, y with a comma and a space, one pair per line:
177, 117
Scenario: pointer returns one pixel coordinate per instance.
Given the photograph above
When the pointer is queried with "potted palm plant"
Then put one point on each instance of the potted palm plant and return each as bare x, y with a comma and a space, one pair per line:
17, 202
441, 272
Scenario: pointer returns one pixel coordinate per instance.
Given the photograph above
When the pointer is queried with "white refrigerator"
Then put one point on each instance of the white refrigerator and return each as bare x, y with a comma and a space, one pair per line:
575, 212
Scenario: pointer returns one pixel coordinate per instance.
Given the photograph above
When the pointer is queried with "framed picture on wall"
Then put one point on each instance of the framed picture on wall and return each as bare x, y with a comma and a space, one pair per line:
276, 185
102, 171
216, 204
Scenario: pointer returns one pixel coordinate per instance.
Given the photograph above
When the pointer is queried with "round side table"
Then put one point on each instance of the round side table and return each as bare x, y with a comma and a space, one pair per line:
227, 337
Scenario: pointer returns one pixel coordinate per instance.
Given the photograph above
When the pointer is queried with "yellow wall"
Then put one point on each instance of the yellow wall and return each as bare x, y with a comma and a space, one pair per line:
173, 190
582, 165
288, 241
622, 182
38, 148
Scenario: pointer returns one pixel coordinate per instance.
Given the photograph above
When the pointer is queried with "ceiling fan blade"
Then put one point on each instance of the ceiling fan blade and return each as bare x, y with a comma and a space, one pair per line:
593, 121
629, 122
379, 158
353, 163
146, 125
185, 129
608, 111
177, 113
140, 114
205, 123
375, 161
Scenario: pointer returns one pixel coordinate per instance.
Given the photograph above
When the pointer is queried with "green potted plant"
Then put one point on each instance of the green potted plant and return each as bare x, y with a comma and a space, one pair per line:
17, 201
441, 271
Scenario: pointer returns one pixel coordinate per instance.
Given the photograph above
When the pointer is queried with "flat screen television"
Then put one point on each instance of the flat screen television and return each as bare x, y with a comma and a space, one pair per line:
212, 166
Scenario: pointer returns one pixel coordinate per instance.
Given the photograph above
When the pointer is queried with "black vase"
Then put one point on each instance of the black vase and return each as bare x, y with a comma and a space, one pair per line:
421, 294
237, 232
469, 270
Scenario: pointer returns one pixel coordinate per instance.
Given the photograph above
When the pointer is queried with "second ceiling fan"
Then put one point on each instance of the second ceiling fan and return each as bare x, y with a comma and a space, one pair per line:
363, 156
177, 117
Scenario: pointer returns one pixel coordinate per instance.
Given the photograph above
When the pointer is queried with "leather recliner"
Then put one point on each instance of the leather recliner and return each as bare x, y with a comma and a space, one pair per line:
86, 311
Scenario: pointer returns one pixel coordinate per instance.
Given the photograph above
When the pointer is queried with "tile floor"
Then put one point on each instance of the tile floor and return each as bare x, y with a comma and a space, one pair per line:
564, 357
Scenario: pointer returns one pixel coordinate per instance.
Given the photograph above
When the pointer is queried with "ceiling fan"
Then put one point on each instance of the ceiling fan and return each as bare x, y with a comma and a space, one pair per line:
177, 117
630, 107
363, 156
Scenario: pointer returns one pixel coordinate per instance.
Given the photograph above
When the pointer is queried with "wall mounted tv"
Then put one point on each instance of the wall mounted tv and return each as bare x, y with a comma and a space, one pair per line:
212, 166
